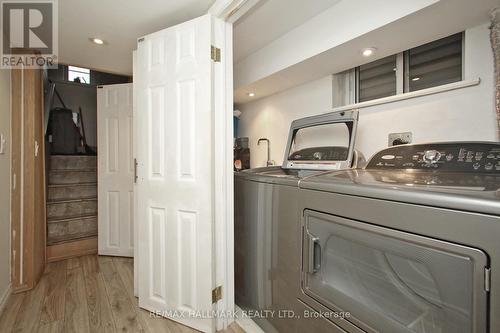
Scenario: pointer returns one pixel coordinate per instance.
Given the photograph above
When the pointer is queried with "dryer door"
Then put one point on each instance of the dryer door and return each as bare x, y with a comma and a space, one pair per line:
391, 281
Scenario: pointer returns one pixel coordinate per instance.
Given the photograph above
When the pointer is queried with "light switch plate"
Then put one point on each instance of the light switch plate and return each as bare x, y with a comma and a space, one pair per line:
400, 138
2, 143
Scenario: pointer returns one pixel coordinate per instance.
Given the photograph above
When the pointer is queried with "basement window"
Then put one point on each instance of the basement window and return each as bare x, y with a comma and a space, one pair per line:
430, 65
79, 74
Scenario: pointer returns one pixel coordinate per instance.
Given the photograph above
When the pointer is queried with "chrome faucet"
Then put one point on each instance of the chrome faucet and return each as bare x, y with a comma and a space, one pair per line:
269, 162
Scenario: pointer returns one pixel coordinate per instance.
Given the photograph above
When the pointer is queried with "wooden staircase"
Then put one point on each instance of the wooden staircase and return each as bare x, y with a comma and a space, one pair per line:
71, 199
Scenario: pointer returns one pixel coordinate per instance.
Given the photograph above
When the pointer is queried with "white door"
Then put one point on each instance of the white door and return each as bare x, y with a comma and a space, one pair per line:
115, 170
175, 186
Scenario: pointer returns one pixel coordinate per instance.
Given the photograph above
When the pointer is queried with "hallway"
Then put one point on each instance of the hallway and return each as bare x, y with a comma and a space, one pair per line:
86, 294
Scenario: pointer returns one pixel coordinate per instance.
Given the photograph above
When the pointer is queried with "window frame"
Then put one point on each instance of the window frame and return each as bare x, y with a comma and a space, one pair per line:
70, 70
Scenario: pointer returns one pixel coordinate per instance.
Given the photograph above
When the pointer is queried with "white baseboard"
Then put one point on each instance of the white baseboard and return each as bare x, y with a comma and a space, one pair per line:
4, 297
247, 324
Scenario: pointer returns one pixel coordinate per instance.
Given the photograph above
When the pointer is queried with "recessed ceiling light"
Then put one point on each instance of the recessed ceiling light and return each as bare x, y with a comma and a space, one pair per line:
415, 78
368, 52
97, 41
251, 94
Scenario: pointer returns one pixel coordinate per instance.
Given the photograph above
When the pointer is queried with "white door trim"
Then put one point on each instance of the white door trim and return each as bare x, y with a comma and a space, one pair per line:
231, 10
227, 11
224, 243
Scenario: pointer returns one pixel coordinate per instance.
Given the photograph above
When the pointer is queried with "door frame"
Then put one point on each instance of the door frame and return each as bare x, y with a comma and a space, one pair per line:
223, 173
227, 11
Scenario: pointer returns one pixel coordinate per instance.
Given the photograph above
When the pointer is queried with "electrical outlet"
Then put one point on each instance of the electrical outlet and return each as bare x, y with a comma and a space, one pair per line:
400, 138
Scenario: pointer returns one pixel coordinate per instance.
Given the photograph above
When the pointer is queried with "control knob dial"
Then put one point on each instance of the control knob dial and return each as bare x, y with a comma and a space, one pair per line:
317, 155
431, 156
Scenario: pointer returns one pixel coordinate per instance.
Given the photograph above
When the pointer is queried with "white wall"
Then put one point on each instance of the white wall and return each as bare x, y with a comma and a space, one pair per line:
464, 114
5, 185
271, 117
322, 33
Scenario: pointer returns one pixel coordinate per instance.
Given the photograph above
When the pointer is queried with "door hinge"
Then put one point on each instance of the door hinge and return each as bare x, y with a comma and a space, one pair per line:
135, 170
215, 53
216, 294
487, 279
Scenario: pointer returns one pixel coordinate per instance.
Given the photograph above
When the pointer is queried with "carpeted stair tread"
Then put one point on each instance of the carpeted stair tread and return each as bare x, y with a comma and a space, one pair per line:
70, 240
73, 170
63, 200
73, 162
71, 229
71, 218
71, 200
73, 184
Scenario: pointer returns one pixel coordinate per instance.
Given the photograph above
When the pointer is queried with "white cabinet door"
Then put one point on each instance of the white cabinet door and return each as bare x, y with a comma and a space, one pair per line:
176, 184
115, 170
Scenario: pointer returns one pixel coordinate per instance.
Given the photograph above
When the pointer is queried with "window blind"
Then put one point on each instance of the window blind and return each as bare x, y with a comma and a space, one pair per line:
435, 63
377, 79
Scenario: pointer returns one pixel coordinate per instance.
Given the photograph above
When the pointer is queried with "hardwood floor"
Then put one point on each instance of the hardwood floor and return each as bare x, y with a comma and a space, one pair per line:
86, 294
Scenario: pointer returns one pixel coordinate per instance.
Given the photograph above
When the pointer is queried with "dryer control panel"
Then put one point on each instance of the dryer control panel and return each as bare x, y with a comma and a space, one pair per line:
477, 157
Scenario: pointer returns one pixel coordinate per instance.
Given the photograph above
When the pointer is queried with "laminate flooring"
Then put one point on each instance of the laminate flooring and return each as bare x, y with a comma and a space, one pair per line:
86, 294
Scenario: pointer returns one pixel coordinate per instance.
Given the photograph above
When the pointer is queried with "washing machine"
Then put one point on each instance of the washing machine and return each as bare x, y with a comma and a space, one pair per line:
267, 220
410, 243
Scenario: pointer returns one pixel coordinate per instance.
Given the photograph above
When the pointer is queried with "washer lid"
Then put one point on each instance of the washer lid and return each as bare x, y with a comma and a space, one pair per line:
463, 191
303, 152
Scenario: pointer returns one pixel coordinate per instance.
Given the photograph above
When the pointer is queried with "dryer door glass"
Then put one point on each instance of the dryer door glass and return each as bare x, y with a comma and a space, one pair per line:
393, 281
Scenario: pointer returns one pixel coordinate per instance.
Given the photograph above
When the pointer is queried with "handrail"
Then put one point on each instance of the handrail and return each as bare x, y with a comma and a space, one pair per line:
48, 105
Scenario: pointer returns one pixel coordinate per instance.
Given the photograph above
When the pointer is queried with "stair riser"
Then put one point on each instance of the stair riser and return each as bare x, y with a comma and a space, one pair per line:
72, 177
72, 192
68, 209
72, 229
73, 162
